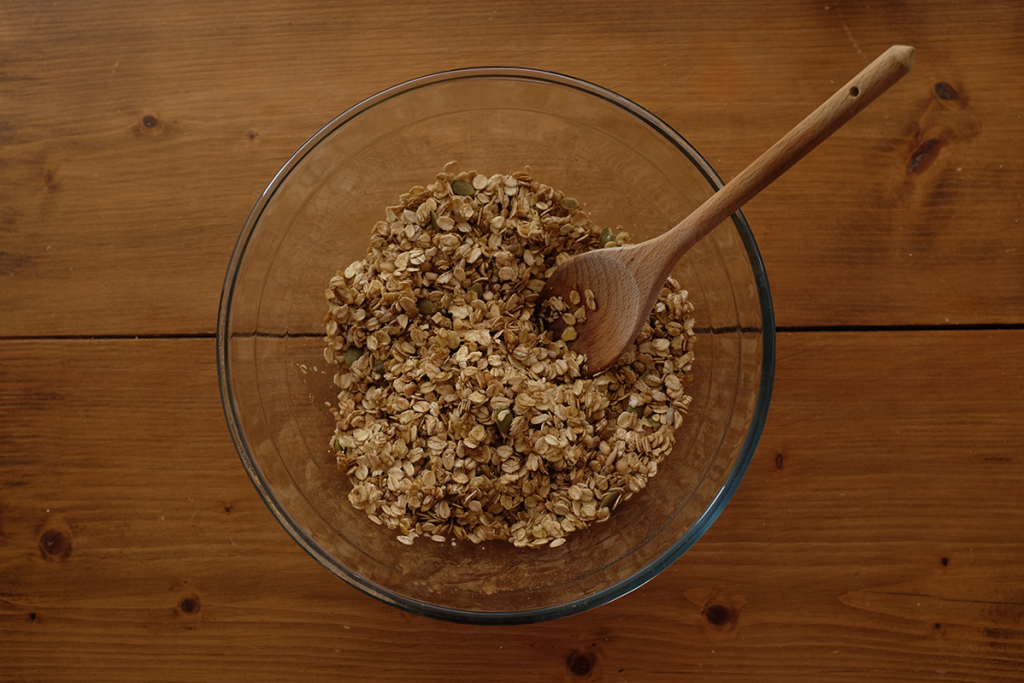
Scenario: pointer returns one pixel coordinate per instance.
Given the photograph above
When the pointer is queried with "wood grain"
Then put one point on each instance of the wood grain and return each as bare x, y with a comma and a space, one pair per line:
136, 139
878, 533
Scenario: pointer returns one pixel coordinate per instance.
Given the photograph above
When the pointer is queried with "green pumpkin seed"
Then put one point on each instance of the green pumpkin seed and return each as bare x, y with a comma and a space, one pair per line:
606, 237
608, 500
353, 354
426, 307
463, 188
503, 420
569, 204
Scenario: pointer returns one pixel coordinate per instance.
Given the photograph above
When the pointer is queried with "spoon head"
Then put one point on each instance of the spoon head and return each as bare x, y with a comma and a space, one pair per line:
611, 326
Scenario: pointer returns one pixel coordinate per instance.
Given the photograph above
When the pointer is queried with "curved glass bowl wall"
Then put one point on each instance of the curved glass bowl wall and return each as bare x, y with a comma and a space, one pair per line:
628, 169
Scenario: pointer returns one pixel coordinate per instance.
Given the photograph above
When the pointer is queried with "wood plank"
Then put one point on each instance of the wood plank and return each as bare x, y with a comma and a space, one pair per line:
877, 533
136, 139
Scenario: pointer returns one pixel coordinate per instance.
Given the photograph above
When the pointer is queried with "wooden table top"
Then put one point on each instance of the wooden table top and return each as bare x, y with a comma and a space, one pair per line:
879, 531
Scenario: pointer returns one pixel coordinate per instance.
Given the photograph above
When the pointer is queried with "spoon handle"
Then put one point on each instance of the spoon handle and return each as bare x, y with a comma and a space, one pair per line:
875, 79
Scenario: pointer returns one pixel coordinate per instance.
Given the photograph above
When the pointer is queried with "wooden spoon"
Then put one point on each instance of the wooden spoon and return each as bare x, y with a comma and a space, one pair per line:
626, 281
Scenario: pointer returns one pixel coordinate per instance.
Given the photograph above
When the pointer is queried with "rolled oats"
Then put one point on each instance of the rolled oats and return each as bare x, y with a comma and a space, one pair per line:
458, 416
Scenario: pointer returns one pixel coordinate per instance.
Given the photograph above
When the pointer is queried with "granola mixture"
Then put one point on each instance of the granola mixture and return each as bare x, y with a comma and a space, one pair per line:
458, 416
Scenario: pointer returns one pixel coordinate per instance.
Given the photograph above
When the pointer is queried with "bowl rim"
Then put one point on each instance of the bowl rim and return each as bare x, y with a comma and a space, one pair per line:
648, 571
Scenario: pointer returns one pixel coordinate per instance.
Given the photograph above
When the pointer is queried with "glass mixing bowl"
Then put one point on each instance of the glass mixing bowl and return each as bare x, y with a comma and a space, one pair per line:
628, 169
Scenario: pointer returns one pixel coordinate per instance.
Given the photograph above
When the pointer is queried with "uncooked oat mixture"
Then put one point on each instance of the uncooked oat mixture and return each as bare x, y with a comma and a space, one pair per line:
459, 417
